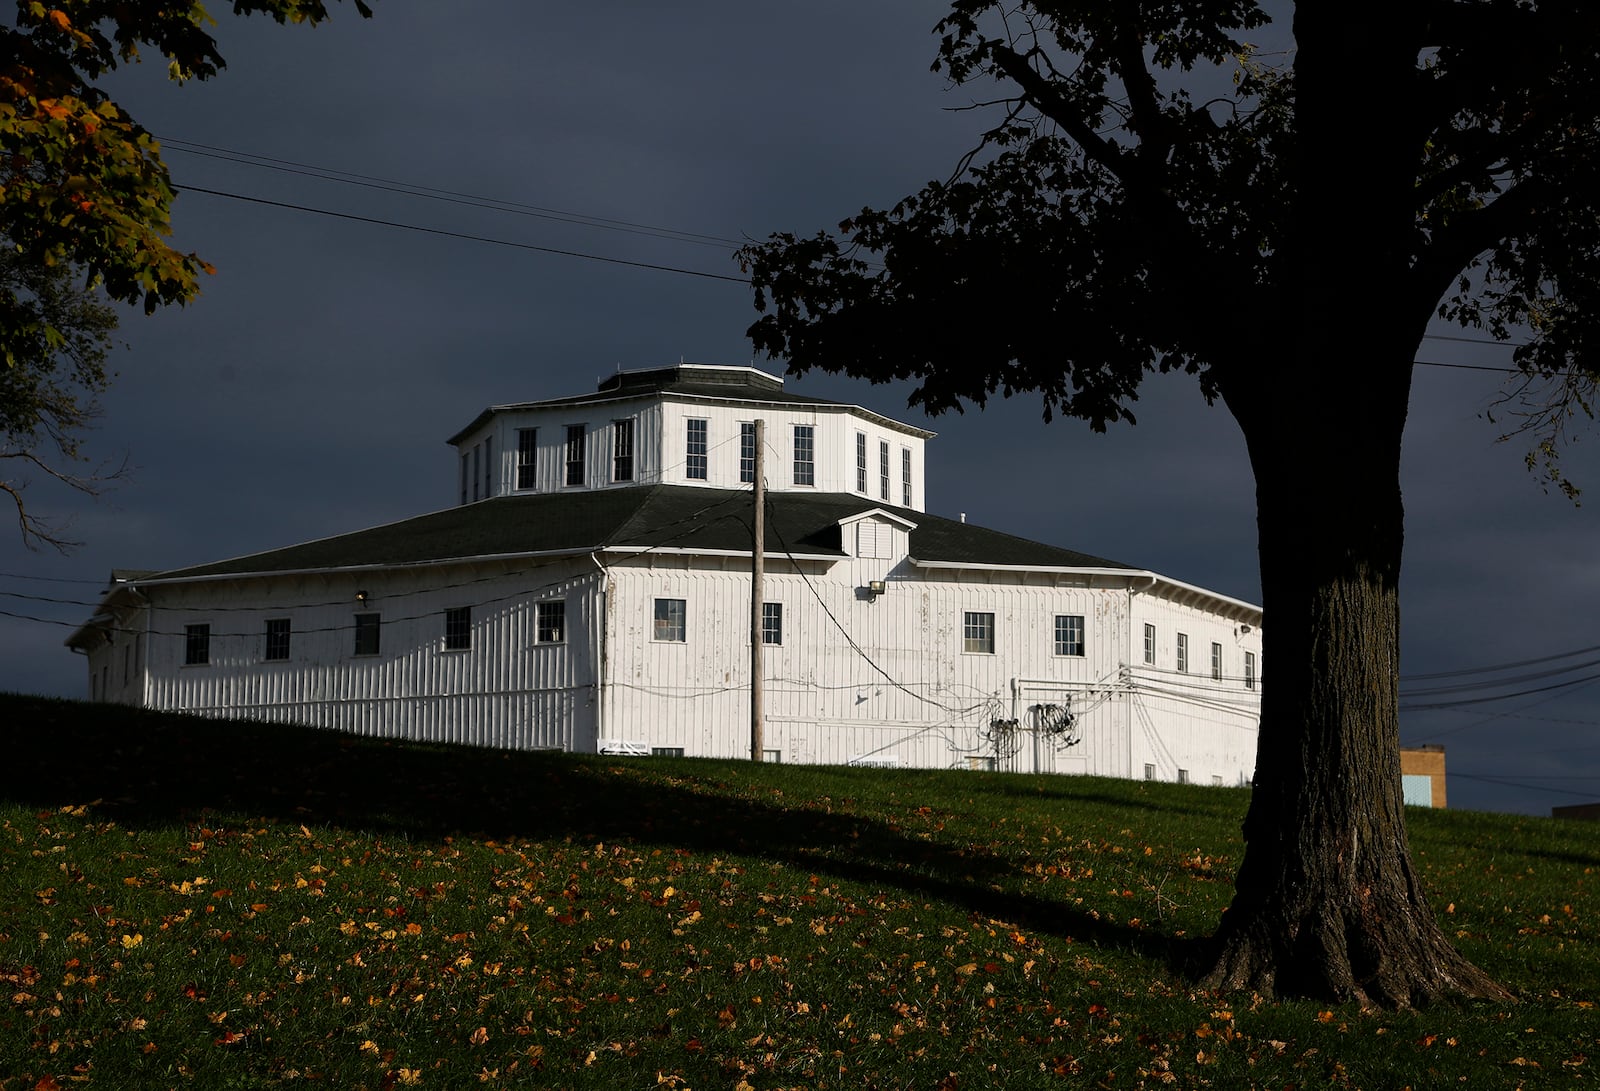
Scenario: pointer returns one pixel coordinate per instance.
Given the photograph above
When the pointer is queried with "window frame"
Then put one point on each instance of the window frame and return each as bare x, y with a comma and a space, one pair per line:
622, 449
1149, 643
1249, 670
458, 628
772, 624
905, 476
747, 452
805, 441
696, 449
1183, 653
883, 470
676, 630
1216, 661
466, 474
546, 612
488, 467
576, 452
527, 458
279, 636
976, 632
477, 455
1071, 636
197, 644
861, 463
368, 630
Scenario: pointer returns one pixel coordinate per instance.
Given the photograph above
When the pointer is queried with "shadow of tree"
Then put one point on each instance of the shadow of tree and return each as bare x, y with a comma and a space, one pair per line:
151, 770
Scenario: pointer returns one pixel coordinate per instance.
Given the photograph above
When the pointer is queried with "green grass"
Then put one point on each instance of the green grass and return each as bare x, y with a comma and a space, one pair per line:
209, 904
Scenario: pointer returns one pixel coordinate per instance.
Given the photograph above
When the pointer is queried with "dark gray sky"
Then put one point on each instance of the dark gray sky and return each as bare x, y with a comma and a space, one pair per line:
310, 389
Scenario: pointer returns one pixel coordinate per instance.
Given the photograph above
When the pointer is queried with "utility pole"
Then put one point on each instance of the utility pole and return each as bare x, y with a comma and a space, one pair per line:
758, 527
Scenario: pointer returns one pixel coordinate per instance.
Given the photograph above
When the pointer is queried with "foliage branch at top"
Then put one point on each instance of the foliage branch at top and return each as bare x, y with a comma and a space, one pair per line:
84, 194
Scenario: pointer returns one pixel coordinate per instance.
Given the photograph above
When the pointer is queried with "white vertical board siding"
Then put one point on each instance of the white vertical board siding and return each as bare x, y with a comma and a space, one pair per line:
885, 678
1191, 721
550, 465
507, 690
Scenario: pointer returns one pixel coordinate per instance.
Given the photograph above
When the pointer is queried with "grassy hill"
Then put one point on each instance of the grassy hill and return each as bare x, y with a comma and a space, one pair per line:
213, 904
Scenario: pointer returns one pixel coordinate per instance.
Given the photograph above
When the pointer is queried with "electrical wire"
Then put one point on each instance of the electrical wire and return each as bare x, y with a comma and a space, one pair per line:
1404, 678
463, 235
449, 196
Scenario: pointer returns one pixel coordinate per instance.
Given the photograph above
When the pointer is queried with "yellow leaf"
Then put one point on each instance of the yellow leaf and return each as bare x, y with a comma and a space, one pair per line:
480, 1036
130, 942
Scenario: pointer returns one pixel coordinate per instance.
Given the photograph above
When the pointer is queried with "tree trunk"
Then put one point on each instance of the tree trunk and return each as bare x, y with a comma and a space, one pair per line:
1327, 902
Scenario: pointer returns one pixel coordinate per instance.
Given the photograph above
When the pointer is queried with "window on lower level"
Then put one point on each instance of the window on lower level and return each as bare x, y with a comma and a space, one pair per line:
1149, 771
1069, 634
1183, 652
1216, 662
666, 751
671, 621
196, 645
977, 632
550, 624
772, 757
883, 471
694, 465
772, 623
458, 628
367, 630
277, 639
1183, 776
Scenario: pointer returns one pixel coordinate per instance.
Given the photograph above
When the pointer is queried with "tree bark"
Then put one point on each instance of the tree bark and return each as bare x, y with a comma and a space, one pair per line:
1327, 901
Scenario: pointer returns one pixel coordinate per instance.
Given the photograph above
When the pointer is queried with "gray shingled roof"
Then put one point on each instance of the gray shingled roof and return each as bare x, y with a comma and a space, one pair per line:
675, 516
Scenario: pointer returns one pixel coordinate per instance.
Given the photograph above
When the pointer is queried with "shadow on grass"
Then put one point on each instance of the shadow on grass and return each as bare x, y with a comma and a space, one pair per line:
150, 769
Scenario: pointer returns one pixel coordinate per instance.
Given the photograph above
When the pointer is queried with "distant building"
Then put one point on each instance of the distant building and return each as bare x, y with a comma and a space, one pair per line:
1422, 775
590, 589
1582, 812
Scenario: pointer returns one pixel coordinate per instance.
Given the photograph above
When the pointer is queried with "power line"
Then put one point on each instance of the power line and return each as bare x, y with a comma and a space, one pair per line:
462, 235
449, 196
1505, 783
1404, 678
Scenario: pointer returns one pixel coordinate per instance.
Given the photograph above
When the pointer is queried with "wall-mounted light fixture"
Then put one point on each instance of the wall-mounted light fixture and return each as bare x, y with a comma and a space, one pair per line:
1244, 628
876, 588
361, 597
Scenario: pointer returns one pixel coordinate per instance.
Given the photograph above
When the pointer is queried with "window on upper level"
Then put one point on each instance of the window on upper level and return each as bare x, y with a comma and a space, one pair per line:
861, 462
1216, 662
477, 463
466, 474
671, 621
458, 628
576, 441
622, 450
550, 625
1150, 644
747, 451
1183, 652
488, 467
368, 627
1249, 670
1069, 634
883, 470
277, 639
977, 632
772, 623
905, 476
527, 458
197, 645
805, 454
694, 465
